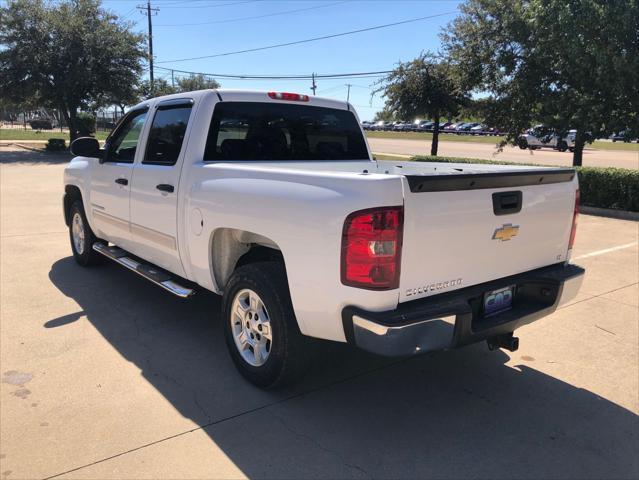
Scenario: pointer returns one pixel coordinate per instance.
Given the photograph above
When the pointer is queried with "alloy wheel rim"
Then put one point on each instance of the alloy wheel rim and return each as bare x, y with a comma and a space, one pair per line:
251, 327
77, 232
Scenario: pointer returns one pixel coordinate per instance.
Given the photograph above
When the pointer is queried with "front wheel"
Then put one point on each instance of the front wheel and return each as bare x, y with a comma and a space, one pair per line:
82, 237
562, 146
260, 328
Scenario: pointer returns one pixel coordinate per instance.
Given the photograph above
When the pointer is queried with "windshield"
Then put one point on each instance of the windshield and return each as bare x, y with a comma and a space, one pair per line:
277, 131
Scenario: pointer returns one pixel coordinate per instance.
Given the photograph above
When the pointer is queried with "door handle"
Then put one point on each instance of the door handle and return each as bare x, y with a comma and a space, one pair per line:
121, 181
163, 187
505, 203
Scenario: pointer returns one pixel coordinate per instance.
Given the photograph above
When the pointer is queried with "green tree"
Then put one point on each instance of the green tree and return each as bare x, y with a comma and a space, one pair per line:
196, 82
70, 55
384, 116
160, 87
186, 84
426, 87
563, 63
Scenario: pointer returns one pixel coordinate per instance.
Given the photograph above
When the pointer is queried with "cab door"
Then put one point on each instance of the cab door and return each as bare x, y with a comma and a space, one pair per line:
154, 186
111, 180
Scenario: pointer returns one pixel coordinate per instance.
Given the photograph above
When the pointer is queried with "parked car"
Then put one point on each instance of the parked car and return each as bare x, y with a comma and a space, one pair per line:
425, 126
41, 124
492, 131
461, 126
465, 127
289, 219
623, 136
409, 127
542, 137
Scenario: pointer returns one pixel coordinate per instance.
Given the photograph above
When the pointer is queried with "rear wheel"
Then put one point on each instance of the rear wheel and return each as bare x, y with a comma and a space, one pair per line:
82, 237
523, 144
260, 328
562, 146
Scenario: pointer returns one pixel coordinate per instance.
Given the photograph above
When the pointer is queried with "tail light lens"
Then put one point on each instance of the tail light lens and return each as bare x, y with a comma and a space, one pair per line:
573, 232
372, 248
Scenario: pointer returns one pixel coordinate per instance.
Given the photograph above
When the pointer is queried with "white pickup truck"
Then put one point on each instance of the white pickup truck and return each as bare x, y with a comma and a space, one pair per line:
274, 201
540, 137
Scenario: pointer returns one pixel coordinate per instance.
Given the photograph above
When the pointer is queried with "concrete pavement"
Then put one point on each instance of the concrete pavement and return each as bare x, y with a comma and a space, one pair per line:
106, 376
486, 151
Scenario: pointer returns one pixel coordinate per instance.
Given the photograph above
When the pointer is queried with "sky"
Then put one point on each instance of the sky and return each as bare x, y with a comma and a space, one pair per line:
224, 27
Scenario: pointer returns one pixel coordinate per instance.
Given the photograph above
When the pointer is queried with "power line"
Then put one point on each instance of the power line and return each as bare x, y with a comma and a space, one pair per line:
283, 77
238, 19
324, 37
332, 89
182, 2
175, 5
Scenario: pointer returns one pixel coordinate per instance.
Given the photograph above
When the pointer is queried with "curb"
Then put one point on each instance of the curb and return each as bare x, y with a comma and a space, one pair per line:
29, 147
609, 213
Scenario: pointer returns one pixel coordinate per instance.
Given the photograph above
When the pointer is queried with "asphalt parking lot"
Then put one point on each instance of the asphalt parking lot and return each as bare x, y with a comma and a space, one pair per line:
106, 376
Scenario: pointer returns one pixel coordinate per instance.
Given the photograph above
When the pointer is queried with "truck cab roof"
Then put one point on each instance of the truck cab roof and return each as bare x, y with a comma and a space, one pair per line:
236, 95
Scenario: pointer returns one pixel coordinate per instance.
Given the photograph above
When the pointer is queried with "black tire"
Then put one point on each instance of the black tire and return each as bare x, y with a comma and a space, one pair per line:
523, 144
87, 256
287, 357
562, 146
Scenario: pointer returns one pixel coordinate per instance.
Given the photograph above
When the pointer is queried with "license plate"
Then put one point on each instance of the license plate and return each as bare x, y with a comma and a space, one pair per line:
498, 301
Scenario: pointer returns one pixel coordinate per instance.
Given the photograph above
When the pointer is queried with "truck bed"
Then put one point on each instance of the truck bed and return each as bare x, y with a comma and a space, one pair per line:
466, 224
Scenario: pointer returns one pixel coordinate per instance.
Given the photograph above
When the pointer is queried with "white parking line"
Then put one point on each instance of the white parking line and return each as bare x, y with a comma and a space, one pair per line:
606, 250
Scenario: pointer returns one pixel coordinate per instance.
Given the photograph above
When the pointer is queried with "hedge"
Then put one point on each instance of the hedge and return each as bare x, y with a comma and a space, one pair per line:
85, 122
603, 187
56, 145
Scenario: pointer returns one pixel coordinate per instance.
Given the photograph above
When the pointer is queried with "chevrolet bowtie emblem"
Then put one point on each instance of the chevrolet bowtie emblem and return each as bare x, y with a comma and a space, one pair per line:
506, 232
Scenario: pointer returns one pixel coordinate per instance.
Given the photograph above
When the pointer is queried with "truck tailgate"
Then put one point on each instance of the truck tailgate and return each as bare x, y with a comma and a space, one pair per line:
461, 230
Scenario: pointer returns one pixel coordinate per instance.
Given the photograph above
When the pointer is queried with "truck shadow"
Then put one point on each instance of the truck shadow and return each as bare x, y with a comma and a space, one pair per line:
455, 414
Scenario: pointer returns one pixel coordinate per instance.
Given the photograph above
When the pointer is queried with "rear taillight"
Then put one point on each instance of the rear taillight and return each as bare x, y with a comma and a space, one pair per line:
291, 97
573, 232
372, 248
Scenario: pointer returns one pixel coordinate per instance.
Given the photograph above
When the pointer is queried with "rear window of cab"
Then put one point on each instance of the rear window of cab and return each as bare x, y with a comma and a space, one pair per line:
244, 131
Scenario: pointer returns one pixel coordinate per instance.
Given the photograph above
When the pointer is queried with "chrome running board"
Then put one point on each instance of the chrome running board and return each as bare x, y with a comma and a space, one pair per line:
148, 271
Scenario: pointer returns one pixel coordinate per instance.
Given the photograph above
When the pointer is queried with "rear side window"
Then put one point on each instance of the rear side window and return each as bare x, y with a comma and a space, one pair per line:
276, 131
167, 134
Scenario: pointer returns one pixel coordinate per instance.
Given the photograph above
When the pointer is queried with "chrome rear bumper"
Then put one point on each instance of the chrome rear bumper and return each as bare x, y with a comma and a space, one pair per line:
454, 319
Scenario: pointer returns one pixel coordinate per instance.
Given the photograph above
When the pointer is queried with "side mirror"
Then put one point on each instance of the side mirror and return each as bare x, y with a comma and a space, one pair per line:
86, 147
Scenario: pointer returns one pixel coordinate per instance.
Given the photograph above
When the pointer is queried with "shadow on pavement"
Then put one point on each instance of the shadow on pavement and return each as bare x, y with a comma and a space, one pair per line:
456, 414
30, 157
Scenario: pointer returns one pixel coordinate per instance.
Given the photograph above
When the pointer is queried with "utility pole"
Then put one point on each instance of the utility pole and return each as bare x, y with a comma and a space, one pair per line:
172, 78
314, 86
149, 11
348, 93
